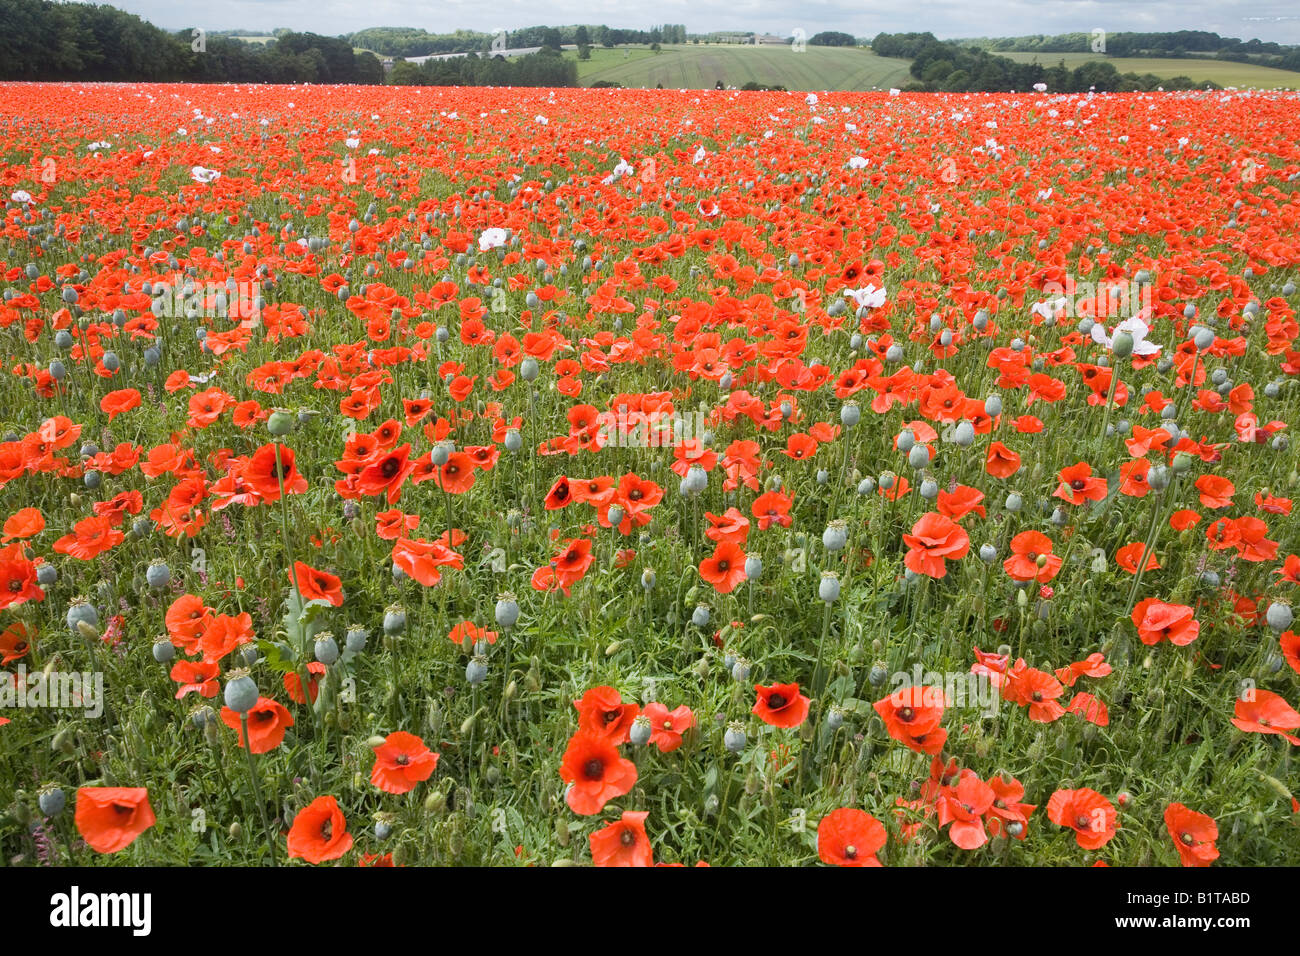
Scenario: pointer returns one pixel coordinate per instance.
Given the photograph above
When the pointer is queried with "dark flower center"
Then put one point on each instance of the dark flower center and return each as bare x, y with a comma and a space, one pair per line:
776, 701
594, 769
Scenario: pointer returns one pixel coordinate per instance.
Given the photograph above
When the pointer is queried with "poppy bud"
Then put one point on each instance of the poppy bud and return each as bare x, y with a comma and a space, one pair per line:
1182, 463
89, 632
648, 579
241, 692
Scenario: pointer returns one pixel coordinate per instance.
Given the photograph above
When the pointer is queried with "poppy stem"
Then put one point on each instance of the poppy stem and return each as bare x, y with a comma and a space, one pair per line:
1110, 400
257, 787
304, 675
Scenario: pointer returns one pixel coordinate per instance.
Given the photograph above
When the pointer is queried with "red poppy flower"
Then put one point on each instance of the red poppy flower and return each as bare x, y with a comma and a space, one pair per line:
1090, 815
596, 771
935, 538
319, 832
781, 705
850, 837
110, 818
316, 585
401, 762
725, 569
267, 723
623, 842
1193, 835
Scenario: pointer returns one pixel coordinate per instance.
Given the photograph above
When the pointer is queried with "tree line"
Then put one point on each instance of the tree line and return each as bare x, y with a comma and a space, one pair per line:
951, 67
1176, 44
43, 40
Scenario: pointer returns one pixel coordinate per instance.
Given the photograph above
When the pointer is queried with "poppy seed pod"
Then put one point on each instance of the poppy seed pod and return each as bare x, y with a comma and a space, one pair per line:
476, 670
887, 480
280, 423
394, 620
835, 536
440, 453
828, 589
1279, 617
158, 575
700, 616
163, 649
326, 649
740, 670
906, 441
52, 800
240, 692
929, 489
964, 434
753, 567
507, 610
81, 611
866, 486
734, 739
354, 641
1203, 338
648, 579
46, 575
616, 515
988, 553
1158, 478
640, 731
514, 441
850, 414
993, 406
528, 369
835, 718
919, 457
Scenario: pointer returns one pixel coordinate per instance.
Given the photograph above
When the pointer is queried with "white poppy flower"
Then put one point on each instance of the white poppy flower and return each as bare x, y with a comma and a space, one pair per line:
868, 295
201, 174
1134, 327
491, 239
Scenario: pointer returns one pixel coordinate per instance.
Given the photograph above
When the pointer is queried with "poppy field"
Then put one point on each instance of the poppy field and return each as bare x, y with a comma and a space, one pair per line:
527, 478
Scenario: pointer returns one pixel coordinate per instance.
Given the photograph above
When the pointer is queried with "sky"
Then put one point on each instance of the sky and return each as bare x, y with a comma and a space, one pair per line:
1276, 20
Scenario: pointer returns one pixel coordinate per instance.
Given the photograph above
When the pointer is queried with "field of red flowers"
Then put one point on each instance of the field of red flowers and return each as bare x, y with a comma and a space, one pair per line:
432, 476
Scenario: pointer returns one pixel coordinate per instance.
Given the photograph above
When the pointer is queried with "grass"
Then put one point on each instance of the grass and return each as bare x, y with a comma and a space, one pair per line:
1223, 72
692, 67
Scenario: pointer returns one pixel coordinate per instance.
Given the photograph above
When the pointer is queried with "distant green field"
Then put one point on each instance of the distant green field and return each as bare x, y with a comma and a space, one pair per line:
1223, 72
688, 66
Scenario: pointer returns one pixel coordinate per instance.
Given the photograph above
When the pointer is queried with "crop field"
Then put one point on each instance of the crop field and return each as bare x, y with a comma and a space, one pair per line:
1223, 72
617, 477
692, 67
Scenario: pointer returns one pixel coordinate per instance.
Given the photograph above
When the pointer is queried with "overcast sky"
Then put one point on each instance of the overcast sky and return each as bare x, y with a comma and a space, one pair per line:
1277, 20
